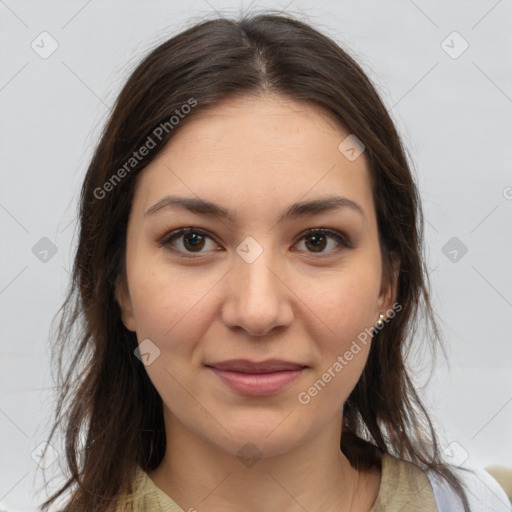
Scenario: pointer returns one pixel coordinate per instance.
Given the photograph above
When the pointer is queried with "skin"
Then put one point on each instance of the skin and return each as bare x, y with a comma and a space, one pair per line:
255, 156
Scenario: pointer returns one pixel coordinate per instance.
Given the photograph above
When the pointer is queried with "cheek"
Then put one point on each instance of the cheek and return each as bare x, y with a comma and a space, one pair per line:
169, 309
346, 310
346, 305
167, 302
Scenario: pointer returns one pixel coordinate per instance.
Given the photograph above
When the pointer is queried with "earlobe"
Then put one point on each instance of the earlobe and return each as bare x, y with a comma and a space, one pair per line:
125, 305
390, 286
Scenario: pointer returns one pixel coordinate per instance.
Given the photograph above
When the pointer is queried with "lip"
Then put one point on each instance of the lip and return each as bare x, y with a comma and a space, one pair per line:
257, 378
247, 366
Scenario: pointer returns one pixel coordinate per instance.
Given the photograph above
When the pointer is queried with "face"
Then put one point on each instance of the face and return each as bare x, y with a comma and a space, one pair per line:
254, 284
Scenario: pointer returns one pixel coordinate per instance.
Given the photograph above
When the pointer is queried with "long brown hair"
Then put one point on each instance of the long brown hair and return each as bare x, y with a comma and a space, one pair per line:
108, 409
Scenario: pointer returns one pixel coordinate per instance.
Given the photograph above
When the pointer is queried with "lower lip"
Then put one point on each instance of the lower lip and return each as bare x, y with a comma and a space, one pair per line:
257, 383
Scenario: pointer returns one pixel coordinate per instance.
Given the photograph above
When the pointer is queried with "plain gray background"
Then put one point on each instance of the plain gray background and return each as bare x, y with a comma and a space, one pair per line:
453, 109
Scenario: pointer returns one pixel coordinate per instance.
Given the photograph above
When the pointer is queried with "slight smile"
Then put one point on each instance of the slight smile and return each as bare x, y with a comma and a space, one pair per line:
257, 378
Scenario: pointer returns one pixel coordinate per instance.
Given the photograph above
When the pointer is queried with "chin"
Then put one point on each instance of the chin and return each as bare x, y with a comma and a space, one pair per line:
254, 439
249, 449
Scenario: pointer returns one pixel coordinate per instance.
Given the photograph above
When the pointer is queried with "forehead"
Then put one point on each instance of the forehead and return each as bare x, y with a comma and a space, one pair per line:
269, 124
256, 151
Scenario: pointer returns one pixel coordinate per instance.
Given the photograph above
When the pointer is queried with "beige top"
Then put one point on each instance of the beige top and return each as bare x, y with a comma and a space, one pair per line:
403, 487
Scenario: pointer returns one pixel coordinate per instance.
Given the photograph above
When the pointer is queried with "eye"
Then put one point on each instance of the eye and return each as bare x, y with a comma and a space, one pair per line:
190, 240
317, 239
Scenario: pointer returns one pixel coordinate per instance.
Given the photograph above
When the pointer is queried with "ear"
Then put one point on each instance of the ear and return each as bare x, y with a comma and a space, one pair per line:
122, 296
389, 286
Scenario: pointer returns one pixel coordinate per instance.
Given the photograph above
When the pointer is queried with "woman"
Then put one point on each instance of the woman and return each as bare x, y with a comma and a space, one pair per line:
249, 272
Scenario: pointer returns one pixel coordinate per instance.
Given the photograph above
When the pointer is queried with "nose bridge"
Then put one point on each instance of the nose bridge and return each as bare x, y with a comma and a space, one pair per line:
258, 301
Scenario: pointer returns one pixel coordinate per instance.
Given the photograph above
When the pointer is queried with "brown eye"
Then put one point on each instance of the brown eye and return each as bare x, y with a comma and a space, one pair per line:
317, 243
317, 240
193, 241
187, 240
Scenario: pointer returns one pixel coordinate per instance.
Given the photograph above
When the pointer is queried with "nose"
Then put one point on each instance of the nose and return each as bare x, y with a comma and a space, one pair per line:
258, 297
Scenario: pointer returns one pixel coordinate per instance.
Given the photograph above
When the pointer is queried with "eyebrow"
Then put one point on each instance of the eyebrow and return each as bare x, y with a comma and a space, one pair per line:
303, 208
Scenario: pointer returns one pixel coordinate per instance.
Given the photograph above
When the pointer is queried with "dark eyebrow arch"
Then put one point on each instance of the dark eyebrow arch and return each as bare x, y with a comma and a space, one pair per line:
203, 207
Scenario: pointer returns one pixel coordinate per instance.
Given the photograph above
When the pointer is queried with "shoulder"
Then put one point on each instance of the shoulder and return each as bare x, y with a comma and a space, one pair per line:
147, 497
403, 487
483, 492
403, 484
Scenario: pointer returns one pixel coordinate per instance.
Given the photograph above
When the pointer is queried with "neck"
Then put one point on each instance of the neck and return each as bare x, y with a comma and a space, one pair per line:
199, 475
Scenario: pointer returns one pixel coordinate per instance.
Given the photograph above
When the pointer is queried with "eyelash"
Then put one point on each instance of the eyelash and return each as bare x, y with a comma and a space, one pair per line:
177, 233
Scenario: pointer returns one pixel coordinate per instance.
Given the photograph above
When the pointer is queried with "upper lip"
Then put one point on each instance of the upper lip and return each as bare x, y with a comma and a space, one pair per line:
246, 366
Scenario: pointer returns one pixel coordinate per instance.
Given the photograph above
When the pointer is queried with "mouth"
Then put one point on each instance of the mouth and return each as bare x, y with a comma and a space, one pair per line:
257, 378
